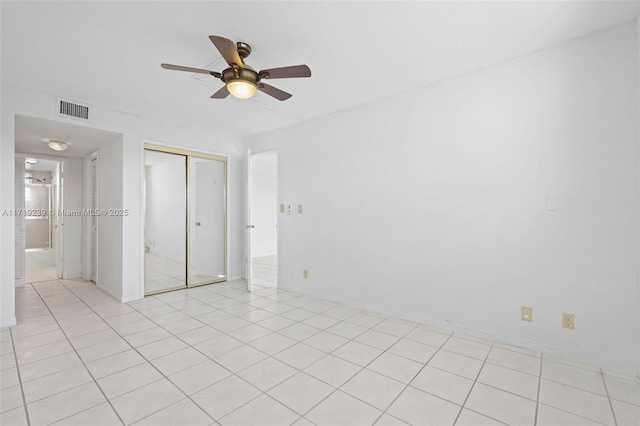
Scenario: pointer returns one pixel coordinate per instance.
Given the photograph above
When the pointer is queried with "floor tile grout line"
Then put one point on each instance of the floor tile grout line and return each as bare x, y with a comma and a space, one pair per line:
575, 387
573, 414
83, 363
208, 359
606, 388
385, 411
335, 388
473, 385
230, 371
510, 368
535, 419
372, 327
574, 364
299, 371
156, 368
24, 399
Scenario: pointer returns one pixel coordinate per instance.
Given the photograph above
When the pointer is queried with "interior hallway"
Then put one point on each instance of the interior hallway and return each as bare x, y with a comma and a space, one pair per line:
219, 355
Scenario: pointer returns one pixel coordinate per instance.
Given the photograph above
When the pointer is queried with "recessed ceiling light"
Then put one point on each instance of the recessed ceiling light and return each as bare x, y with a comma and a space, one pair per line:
32, 161
56, 145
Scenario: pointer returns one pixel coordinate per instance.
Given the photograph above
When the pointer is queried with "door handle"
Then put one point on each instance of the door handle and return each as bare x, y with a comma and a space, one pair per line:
197, 223
249, 226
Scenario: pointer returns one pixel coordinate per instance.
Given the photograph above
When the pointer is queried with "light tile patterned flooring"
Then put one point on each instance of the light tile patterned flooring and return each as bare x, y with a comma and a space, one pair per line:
219, 355
42, 274
265, 271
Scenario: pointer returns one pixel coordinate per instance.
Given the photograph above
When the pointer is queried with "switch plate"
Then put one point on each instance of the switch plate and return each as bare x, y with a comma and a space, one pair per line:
526, 313
299, 208
305, 274
281, 208
568, 320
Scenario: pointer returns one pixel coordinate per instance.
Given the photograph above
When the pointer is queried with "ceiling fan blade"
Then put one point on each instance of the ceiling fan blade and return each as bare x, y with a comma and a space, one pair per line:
280, 95
190, 69
221, 94
228, 50
294, 71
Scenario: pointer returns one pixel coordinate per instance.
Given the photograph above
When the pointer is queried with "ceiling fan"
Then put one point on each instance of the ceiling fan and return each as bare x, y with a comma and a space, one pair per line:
240, 79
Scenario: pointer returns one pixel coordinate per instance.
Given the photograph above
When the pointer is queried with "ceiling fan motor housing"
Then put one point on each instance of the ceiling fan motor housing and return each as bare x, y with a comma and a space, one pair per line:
244, 49
245, 74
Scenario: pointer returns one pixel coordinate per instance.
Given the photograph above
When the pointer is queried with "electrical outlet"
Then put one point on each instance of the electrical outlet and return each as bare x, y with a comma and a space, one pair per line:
305, 274
526, 313
568, 320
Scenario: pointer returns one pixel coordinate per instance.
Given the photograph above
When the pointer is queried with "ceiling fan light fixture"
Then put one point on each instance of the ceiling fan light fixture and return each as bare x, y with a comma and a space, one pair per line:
242, 89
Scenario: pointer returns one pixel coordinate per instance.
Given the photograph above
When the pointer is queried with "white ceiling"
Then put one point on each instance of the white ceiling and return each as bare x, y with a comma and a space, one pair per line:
109, 53
42, 165
31, 131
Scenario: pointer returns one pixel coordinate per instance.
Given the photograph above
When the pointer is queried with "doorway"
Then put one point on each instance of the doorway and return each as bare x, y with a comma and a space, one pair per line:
185, 219
42, 198
263, 219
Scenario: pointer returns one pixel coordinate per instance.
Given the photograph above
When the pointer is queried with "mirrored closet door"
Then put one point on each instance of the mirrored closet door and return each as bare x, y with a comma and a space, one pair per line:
185, 219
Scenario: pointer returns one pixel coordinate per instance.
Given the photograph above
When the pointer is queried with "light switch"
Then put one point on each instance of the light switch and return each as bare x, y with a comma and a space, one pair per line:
299, 208
281, 208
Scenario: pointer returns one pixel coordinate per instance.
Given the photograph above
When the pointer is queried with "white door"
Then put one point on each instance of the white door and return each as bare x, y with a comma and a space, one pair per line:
248, 227
206, 207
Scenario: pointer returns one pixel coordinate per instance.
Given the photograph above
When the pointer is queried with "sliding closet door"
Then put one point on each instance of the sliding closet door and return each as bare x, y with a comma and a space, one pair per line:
165, 221
207, 240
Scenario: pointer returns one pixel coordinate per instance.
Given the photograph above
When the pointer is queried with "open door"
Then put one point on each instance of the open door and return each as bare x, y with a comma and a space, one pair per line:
248, 227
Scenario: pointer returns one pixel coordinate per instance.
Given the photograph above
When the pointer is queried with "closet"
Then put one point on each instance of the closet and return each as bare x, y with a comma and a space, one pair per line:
185, 219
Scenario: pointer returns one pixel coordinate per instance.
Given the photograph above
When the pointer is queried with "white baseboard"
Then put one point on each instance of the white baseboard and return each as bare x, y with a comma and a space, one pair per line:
8, 322
131, 298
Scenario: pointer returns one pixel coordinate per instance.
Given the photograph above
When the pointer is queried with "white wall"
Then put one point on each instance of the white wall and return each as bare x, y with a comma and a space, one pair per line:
135, 129
264, 204
166, 210
110, 228
7, 234
459, 202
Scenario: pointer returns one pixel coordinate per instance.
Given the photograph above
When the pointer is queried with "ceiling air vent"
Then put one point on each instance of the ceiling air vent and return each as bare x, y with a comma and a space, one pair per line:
72, 109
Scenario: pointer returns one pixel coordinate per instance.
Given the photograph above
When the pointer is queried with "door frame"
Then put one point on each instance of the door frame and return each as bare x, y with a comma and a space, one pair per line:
58, 206
90, 245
